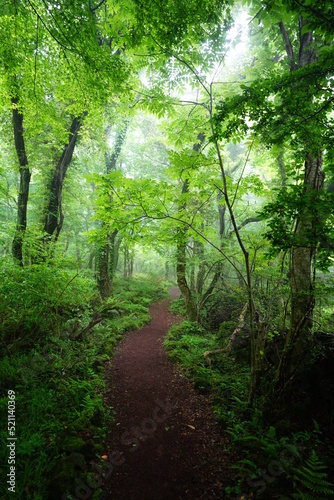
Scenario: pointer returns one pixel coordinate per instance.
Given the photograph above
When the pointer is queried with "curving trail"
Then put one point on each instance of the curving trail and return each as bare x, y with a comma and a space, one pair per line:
165, 443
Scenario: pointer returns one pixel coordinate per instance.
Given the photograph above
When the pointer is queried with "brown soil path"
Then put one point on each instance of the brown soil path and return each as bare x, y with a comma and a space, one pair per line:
165, 443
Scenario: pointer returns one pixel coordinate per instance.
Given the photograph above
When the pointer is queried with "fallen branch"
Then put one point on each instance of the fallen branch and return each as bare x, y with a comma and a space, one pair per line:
238, 328
216, 351
93, 322
236, 331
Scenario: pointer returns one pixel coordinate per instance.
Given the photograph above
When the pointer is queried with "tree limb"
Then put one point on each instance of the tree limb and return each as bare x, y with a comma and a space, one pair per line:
232, 338
288, 45
245, 222
93, 9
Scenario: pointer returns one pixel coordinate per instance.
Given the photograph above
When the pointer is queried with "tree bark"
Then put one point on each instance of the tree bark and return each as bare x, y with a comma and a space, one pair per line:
22, 202
201, 268
221, 212
54, 216
181, 244
181, 276
117, 244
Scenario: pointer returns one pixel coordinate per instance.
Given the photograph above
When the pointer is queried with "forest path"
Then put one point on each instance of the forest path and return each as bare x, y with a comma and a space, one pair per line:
165, 444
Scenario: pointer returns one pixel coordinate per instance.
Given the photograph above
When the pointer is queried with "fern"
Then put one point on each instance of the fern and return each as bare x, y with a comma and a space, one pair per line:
311, 480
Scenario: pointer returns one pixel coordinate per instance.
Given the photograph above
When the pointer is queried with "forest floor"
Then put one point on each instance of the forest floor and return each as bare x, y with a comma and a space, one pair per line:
164, 443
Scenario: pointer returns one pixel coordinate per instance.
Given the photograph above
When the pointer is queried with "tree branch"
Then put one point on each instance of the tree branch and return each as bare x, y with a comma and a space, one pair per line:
288, 45
93, 9
243, 170
245, 222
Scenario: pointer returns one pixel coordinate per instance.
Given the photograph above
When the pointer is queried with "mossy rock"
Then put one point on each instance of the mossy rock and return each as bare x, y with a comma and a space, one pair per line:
65, 474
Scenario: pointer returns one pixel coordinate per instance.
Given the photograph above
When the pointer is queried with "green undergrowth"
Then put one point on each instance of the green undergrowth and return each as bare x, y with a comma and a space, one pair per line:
270, 462
178, 307
58, 375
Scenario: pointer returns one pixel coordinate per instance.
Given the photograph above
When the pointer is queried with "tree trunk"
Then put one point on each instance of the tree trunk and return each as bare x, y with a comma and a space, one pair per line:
201, 267
109, 254
54, 216
103, 282
181, 276
301, 280
221, 212
125, 262
24, 184
192, 270
91, 259
131, 261
181, 244
77, 250
112, 257
67, 244
166, 270
106, 265
117, 244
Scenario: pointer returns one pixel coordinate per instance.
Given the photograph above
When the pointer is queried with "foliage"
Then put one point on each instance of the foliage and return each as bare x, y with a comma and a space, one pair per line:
315, 206
59, 382
178, 307
267, 461
42, 300
311, 479
222, 117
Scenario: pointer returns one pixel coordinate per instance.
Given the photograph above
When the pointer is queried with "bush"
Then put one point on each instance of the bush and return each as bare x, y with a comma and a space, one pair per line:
37, 301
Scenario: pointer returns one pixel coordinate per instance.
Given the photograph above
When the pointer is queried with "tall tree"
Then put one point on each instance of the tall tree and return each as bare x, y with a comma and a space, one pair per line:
106, 253
24, 171
54, 217
302, 253
291, 106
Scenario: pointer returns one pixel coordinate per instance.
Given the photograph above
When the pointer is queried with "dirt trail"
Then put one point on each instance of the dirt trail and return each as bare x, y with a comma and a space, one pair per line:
165, 444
